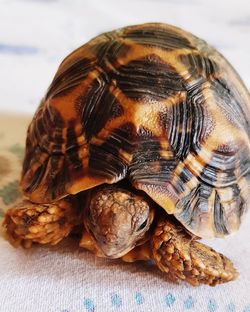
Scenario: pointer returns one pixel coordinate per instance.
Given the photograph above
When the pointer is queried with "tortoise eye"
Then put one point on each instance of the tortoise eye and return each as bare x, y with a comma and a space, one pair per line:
142, 226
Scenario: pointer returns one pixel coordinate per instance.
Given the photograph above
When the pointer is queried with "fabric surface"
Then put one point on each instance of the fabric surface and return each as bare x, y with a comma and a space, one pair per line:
65, 278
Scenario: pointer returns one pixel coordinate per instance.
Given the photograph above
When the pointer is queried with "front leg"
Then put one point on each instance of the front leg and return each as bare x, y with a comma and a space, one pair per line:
40, 223
179, 254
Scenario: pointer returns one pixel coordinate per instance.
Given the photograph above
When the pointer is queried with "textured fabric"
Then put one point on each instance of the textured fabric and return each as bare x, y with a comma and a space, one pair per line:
65, 278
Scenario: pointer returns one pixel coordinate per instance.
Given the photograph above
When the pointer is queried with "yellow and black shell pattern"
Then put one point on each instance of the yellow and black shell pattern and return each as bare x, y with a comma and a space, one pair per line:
156, 105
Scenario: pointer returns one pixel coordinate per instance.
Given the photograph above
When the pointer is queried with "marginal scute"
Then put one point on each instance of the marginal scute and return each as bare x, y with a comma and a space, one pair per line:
212, 212
153, 104
229, 104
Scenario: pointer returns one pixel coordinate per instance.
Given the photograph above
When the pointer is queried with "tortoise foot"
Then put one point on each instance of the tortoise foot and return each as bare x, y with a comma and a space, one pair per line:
40, 223
182, 257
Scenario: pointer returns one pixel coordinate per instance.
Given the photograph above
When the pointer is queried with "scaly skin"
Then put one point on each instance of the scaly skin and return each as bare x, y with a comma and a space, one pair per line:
29, 223
182, 257
178, 254
175, 251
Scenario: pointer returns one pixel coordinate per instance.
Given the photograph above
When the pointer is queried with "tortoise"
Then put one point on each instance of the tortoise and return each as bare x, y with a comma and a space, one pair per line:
141, 145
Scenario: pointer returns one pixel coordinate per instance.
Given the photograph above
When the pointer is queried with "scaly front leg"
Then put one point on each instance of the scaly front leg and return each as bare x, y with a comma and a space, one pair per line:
181, 256
40, 223
178, 254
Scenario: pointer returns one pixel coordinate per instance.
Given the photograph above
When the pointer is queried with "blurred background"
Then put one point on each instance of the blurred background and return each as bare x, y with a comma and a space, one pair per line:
35, 36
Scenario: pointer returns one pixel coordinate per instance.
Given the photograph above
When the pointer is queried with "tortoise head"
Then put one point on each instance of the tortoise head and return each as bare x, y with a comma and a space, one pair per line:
118, 220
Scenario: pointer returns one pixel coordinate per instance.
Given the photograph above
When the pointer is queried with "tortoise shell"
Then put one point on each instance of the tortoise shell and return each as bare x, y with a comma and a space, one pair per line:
153, 104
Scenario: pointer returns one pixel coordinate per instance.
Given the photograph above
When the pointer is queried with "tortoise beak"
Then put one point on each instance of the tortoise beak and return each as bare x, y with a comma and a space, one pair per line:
114, 253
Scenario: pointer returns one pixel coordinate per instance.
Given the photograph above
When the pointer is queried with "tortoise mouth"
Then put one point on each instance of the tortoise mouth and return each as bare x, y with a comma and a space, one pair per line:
114, 254
111, 252
111, 249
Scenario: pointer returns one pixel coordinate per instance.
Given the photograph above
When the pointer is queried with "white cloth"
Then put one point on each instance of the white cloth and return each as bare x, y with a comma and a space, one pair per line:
62, 278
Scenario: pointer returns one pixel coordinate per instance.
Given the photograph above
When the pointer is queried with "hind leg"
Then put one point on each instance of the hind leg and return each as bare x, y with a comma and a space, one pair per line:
29, 223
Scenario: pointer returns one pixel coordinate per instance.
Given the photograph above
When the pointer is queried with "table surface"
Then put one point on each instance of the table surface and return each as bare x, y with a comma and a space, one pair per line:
35, 37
